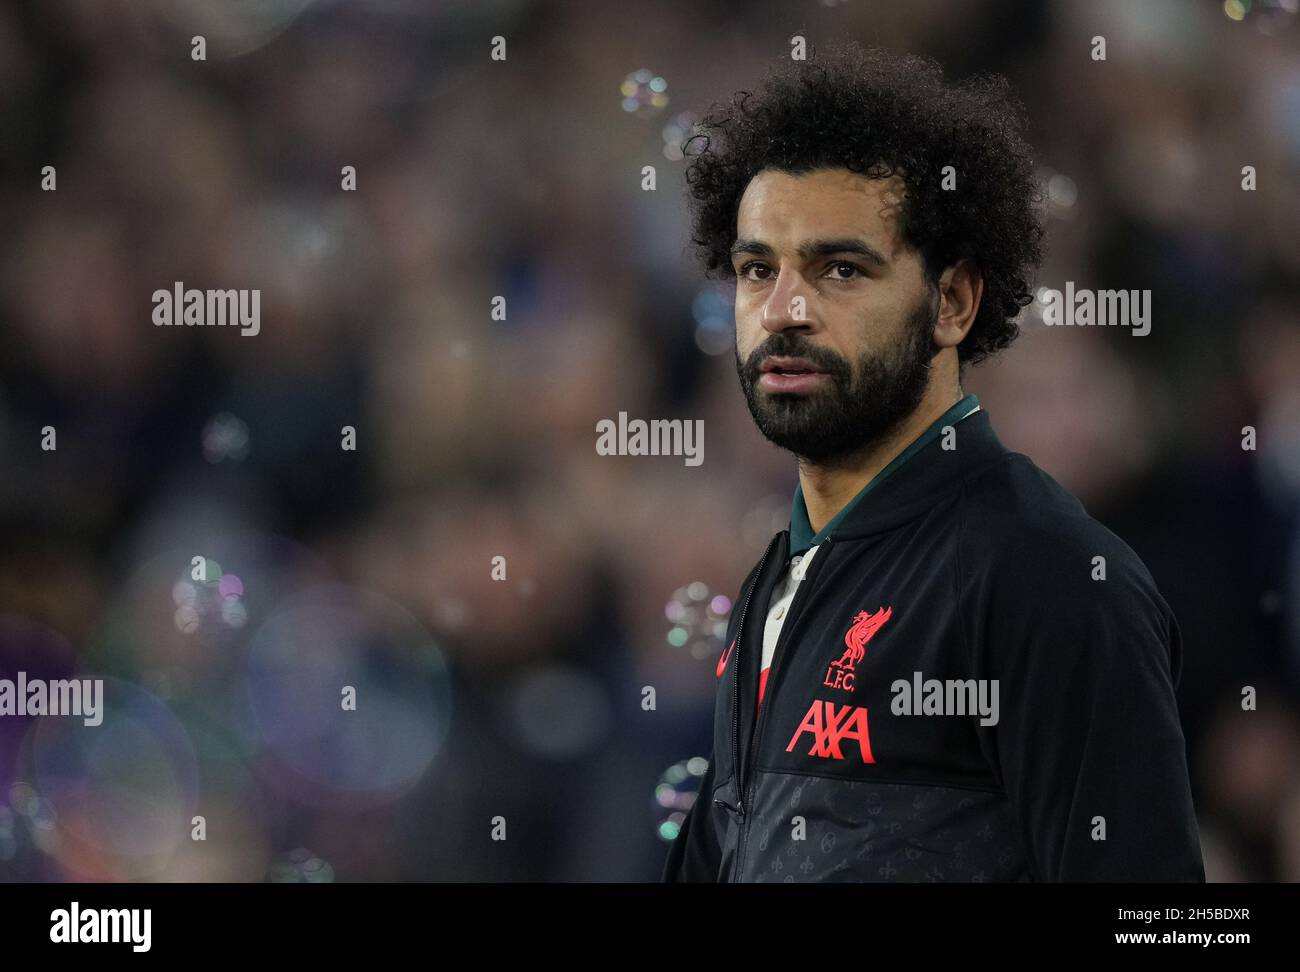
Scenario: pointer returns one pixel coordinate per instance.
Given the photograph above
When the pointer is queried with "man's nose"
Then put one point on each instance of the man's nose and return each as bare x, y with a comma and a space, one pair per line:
787, 306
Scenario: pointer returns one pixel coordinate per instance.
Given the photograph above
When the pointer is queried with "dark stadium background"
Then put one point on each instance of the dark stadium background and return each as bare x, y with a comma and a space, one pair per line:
522, 698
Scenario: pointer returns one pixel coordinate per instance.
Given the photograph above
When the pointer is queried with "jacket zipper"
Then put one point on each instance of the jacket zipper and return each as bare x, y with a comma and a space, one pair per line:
735, 681
800, 601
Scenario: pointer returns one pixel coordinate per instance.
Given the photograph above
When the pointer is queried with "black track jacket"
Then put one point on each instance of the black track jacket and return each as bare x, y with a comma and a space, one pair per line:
984, 568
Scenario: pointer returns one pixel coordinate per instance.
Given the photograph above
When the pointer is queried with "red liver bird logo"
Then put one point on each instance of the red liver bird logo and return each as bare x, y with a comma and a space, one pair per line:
863, 629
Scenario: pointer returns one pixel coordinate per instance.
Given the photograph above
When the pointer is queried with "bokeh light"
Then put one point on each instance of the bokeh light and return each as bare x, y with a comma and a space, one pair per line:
675, 794
699, 619
225, 437
676, 133
644, 92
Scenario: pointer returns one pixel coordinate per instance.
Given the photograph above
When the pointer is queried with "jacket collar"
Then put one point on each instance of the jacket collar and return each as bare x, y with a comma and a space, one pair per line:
904, 488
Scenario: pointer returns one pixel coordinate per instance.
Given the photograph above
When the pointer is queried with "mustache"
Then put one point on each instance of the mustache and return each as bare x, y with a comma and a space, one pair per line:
792, 346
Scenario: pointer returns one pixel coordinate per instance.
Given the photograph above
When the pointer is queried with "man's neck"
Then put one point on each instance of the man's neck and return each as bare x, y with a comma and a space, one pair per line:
827, 489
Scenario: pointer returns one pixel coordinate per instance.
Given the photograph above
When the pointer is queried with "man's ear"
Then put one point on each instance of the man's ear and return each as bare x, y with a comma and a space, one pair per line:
960, 288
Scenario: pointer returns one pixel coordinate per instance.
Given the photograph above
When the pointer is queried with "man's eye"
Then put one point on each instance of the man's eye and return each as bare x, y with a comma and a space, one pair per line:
744, 271
838, 266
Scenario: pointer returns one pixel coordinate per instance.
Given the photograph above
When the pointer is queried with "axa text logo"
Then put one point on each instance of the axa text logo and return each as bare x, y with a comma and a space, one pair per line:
831, 725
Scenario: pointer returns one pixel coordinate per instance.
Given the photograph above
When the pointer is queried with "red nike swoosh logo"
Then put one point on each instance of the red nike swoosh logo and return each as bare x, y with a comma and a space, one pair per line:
722, 662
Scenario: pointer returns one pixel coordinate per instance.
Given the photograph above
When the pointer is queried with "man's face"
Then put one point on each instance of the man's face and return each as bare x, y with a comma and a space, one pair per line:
834, 317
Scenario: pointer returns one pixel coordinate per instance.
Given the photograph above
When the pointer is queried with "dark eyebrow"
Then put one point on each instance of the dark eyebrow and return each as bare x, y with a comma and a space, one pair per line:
815, 248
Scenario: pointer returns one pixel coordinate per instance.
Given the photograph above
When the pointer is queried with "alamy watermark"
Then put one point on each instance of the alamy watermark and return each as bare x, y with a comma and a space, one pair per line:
952, 696
1105, 308
658, 437
132, 926
203, 308
62, 697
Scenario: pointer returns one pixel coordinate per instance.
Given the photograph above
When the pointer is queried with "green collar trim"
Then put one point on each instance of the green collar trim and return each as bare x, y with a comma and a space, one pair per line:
801, 534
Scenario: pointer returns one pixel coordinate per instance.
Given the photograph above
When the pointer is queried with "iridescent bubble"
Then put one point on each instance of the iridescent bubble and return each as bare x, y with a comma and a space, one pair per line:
38, 815
216, 598
675, 794
317, 871
714, 337
41, 814
1062, 191
299, 664
233, 613
700, 619
44, 654
230, 586
127, 786
225, 437
300, 866
714, 314
232, 30
269, 567
558, 711
187, 619
23, 798
32, 828
644, 92
676, 133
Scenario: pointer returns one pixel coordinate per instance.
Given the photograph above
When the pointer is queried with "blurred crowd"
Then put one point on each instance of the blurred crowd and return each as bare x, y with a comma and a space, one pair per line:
507, 698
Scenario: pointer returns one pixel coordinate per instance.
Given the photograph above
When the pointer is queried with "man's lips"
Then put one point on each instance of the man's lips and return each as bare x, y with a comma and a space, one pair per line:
788, 365
790, 375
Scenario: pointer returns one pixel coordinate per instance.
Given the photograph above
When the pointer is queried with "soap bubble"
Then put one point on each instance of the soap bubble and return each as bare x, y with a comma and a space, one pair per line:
699, 619
644, 92
676, 793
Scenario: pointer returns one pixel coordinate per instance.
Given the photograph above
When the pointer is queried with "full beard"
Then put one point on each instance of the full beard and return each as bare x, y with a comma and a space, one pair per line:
863, 404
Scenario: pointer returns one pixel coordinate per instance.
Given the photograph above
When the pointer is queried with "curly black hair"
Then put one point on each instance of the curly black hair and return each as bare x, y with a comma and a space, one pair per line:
882, 114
